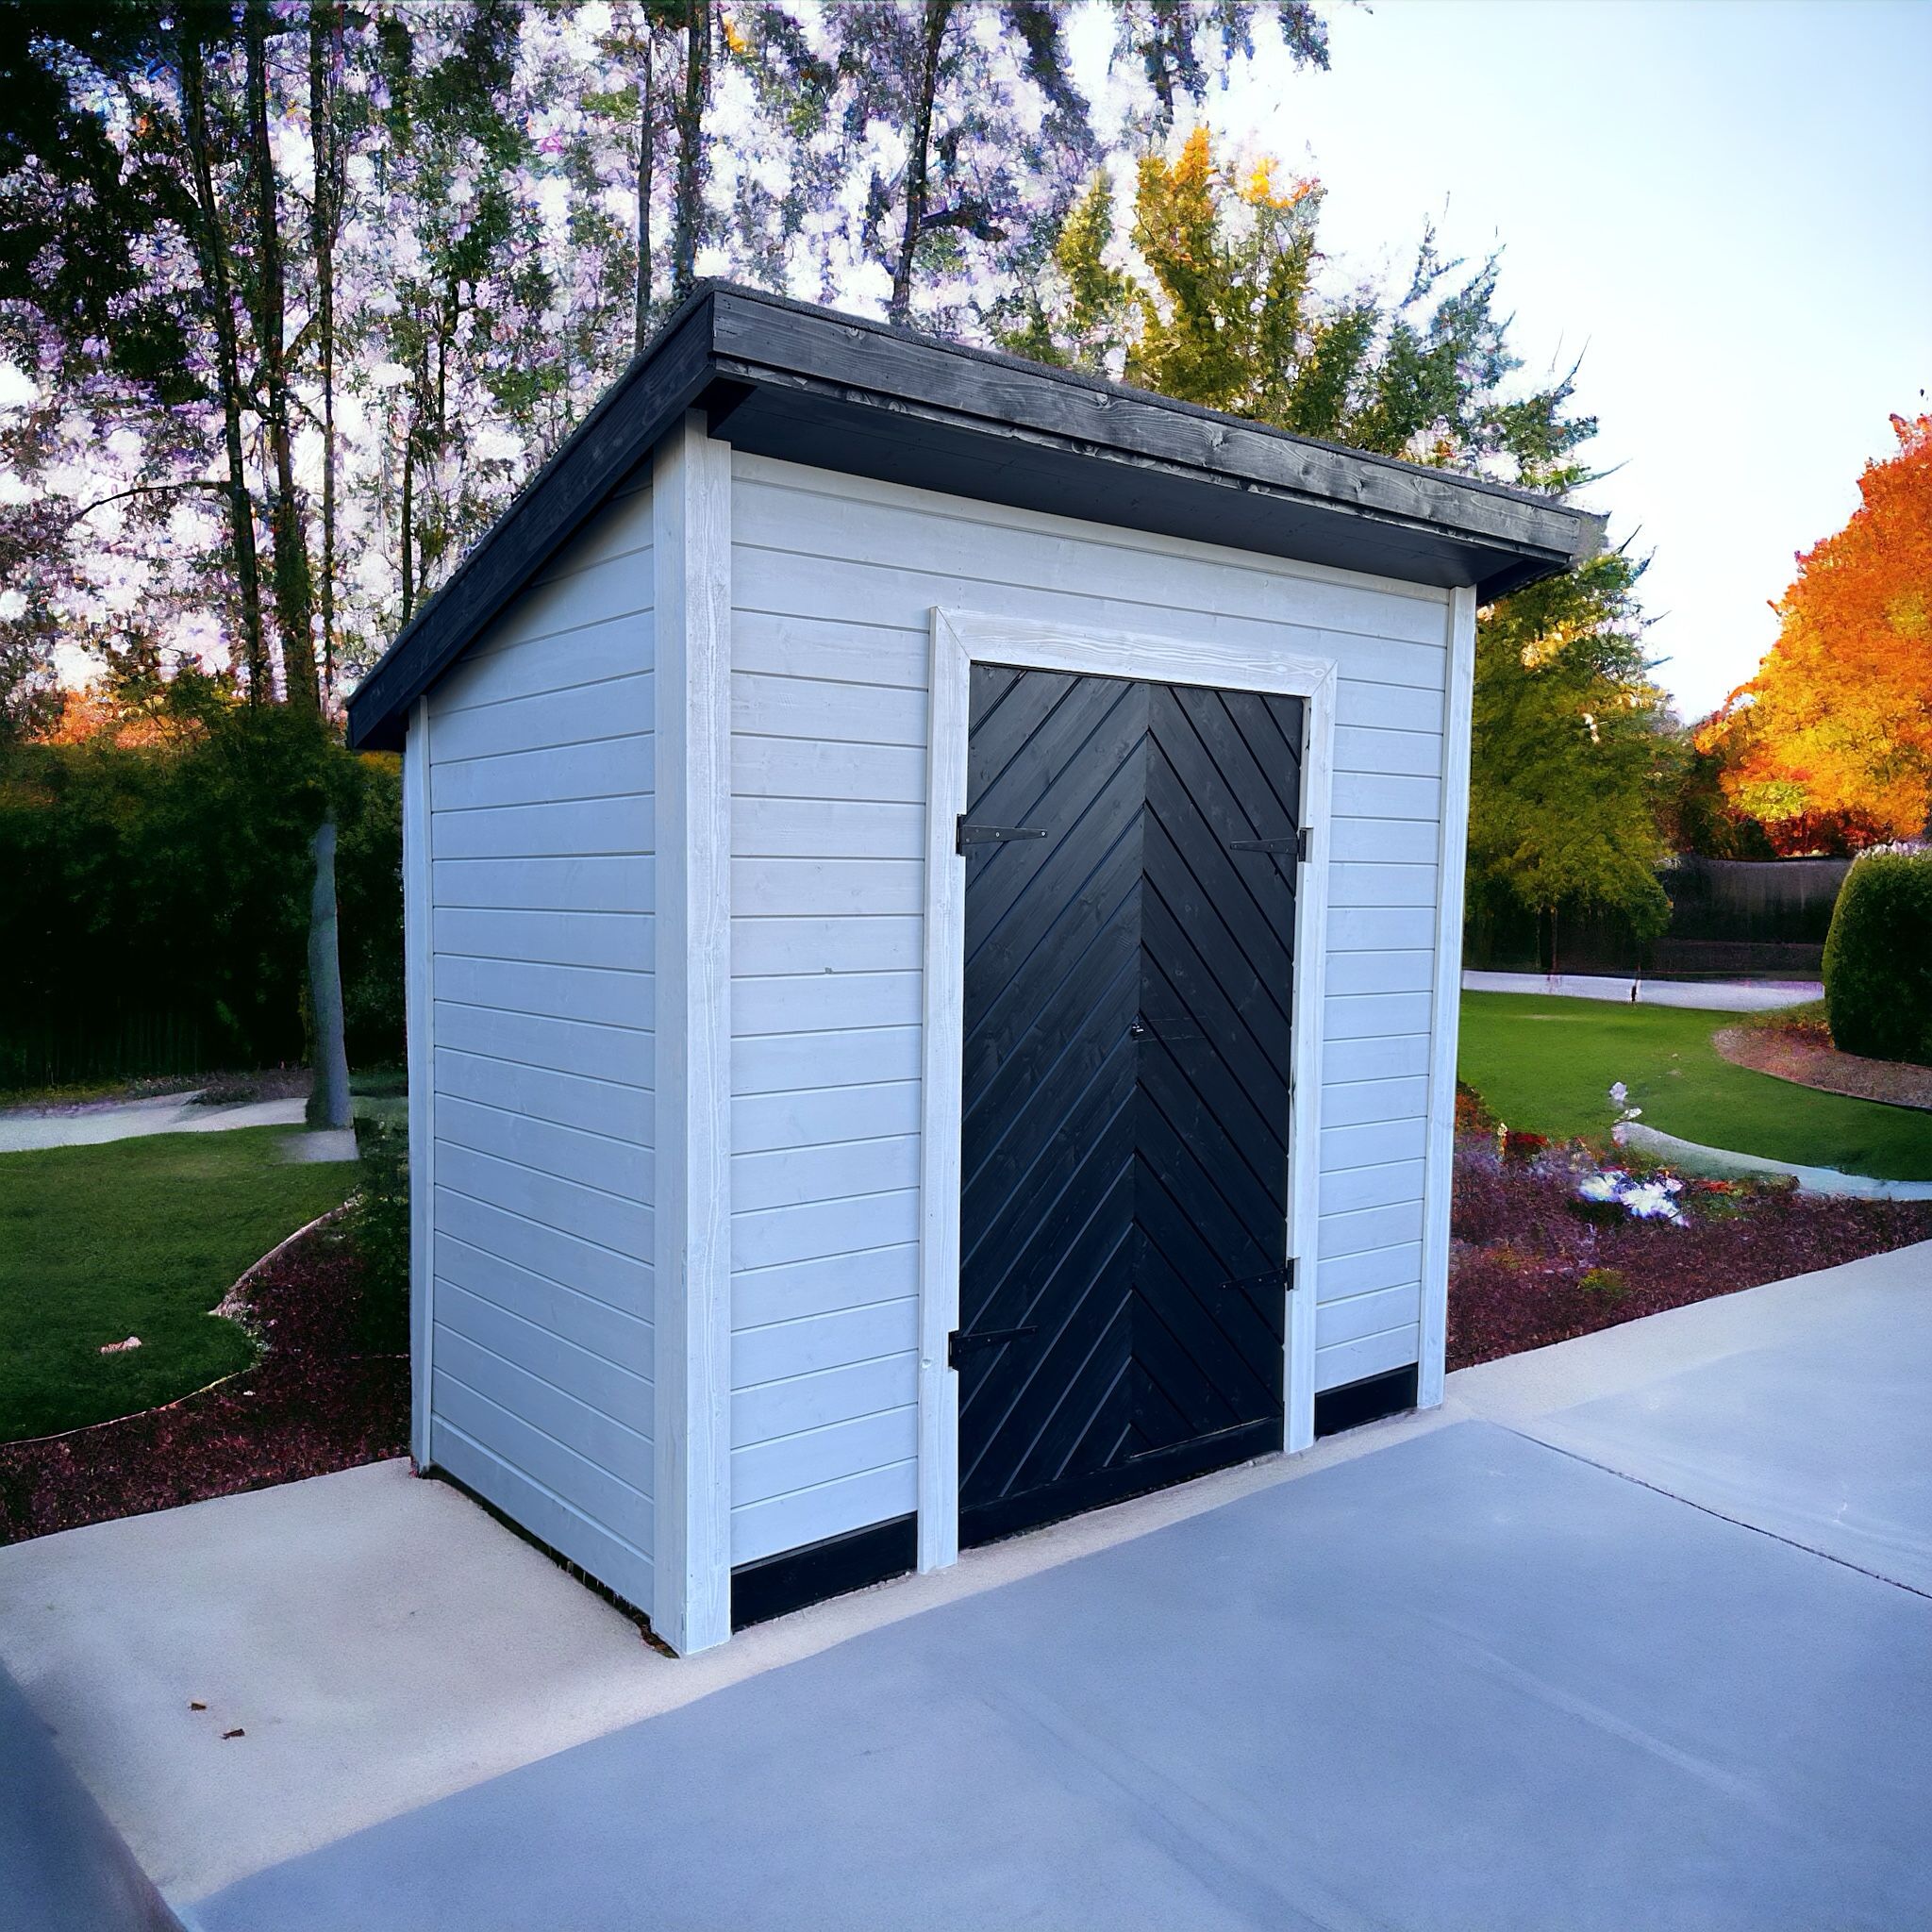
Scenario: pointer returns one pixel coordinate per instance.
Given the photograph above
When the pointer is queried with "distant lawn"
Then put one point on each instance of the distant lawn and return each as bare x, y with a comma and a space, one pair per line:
138, 1236
1547, 1064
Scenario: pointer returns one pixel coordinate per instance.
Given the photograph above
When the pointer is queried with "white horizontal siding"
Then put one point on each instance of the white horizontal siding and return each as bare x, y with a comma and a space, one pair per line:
833, 581
541, 838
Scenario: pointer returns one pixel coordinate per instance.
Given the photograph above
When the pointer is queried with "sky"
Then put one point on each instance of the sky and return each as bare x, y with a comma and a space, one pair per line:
1726, 208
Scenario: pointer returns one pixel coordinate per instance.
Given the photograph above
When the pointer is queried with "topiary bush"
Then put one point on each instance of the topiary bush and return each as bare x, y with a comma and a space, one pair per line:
1878, 958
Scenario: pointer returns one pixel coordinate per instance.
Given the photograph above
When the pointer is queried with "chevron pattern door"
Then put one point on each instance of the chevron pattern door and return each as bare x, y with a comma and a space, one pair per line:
1130, 878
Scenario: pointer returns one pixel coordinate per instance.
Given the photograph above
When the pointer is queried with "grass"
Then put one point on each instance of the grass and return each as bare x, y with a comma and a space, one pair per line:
139, 1237
1547, 1064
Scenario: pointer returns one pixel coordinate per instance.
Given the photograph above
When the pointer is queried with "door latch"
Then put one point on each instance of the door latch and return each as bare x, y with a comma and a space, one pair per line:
959, 1342
992, 835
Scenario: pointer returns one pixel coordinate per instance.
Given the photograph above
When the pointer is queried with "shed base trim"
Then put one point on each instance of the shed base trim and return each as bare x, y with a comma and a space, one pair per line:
774, 1585
1369, 1401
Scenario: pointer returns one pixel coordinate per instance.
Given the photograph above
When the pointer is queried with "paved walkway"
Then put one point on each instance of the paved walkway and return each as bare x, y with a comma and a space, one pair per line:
1637, 1630
1713, 996
24, 1130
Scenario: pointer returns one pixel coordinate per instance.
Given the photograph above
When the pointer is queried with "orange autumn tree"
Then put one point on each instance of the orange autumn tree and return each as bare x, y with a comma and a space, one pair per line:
1830, 745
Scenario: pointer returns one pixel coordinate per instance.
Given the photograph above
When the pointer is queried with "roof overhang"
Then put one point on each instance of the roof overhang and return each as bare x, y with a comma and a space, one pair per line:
782, 378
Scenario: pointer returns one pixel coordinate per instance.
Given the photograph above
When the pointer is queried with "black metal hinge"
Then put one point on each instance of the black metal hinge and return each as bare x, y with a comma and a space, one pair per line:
959, 1342
1296, 846
992, 835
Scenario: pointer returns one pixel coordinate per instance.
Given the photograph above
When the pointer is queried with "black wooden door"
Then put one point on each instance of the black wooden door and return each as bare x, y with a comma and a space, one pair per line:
1123, 1183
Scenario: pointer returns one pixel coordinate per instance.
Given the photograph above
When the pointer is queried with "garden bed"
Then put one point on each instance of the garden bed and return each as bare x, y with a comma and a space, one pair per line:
1532, 1261
1802, 1053
330, 1390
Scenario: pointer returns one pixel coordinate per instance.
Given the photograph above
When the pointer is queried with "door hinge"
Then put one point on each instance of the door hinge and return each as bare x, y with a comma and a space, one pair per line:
1295, 846
966, 835
959, 1342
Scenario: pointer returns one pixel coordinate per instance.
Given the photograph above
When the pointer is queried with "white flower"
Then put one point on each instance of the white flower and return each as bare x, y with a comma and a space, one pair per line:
1601, 1187
12, 605
1618, 1094
1650, 1202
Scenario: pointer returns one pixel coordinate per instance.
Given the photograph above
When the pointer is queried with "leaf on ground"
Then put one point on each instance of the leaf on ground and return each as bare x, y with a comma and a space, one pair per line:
236, 1732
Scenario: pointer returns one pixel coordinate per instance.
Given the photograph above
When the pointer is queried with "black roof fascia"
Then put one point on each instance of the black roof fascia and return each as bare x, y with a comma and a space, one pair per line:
845, 394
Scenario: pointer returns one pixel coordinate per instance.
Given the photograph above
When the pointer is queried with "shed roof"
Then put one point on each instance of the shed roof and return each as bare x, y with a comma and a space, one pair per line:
784, 378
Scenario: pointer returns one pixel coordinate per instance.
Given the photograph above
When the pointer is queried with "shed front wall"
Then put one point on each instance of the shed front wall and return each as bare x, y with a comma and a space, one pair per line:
833, 582
534, 1154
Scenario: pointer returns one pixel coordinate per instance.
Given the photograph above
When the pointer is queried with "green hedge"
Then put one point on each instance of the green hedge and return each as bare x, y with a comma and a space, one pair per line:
153, 900
1878, 960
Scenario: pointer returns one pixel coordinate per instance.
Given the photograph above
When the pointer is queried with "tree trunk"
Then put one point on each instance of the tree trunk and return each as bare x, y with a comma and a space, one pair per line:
210, 246
691, 146
293, 591
328, 1103
325, 64
918, 155
646, 170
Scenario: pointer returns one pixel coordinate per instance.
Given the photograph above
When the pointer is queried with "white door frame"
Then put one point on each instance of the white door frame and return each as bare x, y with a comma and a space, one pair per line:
960, 640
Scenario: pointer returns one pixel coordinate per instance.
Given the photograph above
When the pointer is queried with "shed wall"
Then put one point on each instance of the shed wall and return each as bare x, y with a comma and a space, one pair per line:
540, 855
833, 582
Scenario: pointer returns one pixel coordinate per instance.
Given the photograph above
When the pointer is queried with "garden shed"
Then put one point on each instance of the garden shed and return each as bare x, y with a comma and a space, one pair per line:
934, 893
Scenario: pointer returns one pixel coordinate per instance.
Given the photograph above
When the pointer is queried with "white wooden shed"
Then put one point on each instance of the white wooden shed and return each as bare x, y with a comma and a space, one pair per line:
934, 899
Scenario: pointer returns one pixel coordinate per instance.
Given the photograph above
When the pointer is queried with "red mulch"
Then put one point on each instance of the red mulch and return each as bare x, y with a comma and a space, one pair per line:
318, 1400
1530, 1268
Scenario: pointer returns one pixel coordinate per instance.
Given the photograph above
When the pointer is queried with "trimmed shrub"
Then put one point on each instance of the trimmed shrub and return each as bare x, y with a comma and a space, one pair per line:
1878, 960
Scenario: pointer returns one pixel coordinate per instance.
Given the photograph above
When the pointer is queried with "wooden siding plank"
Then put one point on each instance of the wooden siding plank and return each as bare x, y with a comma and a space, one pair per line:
1376, 1015
583, 1377
801, 1347
790, 1063
598, 1160
825, 829
612, 1335
761, 1472
808, 1516
813, 1116
1361, 1315
1372, 1228
610, 768
595, 648
1389, 752
1388, 842
1373, 1145
1379, 797
815, 707
598, 995
1360, 701
1342, 1275
620, 940
1359, 1103
572, 1100
1398, 1057
622, 1281
621, 1565
829, 1395
577, 828
790, 1175
616, 708
1355, 884
779, 767
1351, 974
1388, 1184
562, 1046
609, 1220
824, 1285
834, 887
601, 884
851, 650
1381, 928
802, 1232
824, 1001
1372, 1355
774, 946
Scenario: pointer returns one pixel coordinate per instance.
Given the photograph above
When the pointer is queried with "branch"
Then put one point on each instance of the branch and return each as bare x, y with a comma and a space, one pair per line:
220, 489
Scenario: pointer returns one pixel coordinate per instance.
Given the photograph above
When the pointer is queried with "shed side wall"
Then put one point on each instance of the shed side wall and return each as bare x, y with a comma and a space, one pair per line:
834, 579
540, 849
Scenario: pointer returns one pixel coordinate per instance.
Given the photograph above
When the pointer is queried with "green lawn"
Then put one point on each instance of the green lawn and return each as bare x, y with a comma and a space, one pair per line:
1547, 1064
138, 1236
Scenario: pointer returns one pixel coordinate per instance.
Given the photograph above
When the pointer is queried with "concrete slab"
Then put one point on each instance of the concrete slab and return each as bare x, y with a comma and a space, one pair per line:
1800, 1408
1465, 1682
26, 1131
1715, 996
319, 1145
384, 1642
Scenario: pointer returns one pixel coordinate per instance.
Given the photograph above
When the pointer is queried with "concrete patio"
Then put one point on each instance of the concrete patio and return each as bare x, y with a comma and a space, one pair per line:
1637, 1630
